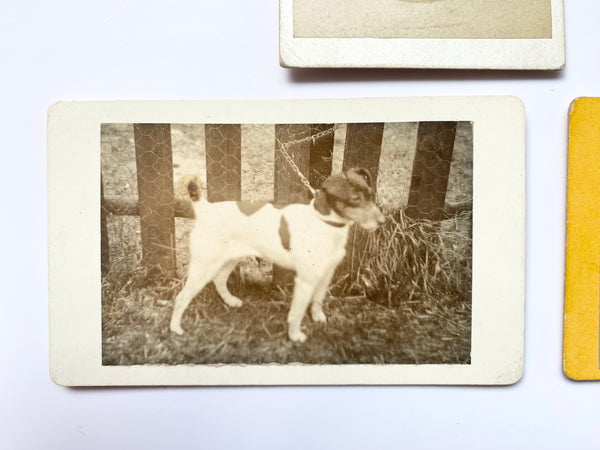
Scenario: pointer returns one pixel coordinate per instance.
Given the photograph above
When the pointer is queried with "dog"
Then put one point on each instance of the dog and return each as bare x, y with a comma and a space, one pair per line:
309, 239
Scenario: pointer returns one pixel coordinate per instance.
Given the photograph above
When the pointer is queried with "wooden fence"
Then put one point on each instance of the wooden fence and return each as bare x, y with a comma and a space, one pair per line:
157, 206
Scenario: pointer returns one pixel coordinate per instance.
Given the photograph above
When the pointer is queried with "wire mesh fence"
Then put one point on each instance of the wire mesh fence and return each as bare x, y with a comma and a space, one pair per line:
423, 168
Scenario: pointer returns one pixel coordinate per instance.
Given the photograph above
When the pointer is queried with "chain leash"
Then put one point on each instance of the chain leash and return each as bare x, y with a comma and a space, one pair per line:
314, 137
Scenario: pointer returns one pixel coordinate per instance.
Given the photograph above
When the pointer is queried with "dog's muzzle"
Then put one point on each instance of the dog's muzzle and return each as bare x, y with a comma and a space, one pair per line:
373, 219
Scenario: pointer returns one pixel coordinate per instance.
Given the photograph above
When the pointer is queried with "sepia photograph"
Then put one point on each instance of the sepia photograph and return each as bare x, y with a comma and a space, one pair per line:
423, 34
345, 243
287, 242
456, 19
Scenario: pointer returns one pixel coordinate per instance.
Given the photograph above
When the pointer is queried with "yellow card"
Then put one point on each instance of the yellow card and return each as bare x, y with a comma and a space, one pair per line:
582, 290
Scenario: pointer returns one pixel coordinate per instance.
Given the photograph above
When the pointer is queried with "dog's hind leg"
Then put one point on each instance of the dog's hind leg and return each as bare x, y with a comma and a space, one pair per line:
220, 282
198, 277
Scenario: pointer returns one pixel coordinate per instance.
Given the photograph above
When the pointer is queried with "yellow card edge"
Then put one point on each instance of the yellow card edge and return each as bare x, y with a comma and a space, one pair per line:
582, 280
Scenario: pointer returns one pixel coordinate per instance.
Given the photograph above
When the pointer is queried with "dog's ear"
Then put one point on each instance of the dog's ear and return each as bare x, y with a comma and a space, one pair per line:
321, 203
337, 186
365, 174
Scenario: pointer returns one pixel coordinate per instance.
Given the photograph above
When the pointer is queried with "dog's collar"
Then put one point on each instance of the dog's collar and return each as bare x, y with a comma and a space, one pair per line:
332, 223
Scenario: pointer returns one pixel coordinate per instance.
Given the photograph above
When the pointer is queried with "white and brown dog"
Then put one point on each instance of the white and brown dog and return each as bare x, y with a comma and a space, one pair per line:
309, 239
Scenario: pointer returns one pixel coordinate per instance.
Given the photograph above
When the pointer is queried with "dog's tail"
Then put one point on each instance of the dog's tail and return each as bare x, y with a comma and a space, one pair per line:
190, 187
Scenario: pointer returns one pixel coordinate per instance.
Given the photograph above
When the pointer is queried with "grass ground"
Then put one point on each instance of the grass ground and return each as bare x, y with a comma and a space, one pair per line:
359, 331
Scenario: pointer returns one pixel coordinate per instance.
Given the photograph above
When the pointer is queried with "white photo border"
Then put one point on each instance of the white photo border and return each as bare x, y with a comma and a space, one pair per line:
498, 284
418, 53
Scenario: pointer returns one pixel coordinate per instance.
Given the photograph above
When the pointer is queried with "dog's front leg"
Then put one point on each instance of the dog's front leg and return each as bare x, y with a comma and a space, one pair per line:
316, 307
303, 291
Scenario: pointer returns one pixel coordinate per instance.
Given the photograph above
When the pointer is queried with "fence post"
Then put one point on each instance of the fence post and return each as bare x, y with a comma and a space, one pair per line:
288, 188
104, 244
223, 162
154, 161
363, 147
431, 168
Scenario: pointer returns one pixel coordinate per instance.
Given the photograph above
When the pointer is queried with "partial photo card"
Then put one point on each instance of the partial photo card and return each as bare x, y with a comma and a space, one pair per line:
457, 34
358, 241
582, 287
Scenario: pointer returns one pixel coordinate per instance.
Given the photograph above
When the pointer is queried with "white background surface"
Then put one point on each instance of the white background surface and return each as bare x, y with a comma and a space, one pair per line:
228, 49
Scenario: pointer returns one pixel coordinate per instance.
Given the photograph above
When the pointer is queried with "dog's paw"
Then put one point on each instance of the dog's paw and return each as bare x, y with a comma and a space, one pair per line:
319, 316
176, 329
234, 302
296, 336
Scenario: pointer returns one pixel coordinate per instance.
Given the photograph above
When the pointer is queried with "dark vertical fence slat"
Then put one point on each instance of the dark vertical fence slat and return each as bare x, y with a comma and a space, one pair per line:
154, 162
104, 244
223, 162
363, 147
321, 155
431, 168
288, 187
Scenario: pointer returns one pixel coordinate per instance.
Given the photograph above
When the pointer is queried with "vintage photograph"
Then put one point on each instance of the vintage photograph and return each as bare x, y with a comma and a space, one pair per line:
313, 244
287, 242
423, 34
